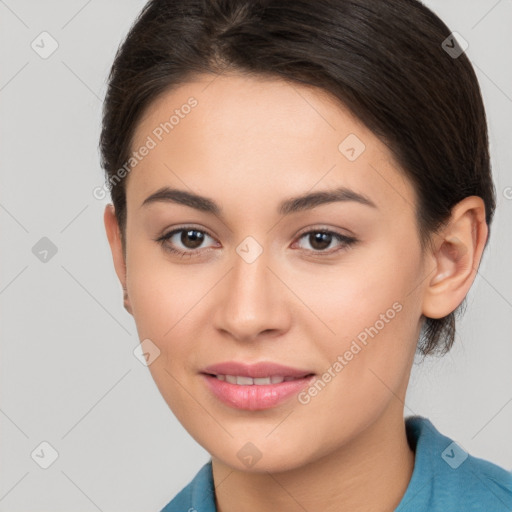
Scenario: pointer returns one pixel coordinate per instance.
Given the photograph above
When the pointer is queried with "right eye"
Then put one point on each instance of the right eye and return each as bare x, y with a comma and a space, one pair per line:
190, 238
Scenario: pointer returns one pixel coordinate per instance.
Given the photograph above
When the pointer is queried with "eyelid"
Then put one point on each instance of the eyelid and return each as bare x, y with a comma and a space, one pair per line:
185, 227
324, 228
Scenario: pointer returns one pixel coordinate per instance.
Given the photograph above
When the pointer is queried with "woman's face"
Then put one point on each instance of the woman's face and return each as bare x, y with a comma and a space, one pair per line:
261, 283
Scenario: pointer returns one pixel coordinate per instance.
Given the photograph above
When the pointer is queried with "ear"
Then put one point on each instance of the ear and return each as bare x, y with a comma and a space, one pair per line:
457, 254
116, 246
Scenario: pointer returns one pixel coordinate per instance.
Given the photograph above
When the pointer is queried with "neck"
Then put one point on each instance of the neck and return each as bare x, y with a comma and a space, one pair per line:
370, 474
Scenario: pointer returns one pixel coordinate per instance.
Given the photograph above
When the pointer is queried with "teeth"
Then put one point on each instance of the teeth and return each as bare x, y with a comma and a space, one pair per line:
244, 381
258, 381
262, 380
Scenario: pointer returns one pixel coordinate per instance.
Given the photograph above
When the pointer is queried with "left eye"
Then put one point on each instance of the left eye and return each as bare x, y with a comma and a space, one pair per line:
191, 239
320, 240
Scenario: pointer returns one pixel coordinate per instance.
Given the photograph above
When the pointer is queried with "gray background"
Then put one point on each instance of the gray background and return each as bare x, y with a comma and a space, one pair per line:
68, 373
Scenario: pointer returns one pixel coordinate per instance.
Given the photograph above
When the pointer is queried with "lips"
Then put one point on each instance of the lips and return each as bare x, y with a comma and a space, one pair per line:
255, 386
256, 371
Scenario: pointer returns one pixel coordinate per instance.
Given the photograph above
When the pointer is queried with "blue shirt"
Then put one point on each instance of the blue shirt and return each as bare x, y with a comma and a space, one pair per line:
445, 479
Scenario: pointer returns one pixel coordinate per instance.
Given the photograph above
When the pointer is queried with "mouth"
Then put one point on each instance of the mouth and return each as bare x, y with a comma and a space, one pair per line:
260, 370
257, 386
244, 380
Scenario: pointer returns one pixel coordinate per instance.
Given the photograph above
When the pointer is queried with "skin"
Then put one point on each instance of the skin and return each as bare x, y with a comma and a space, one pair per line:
249, 144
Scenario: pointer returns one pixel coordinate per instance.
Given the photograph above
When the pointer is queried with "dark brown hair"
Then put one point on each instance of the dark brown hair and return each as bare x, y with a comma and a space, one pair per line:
384, 60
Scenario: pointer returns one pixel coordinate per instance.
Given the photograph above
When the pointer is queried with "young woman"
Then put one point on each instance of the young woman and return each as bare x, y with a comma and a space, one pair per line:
301, 198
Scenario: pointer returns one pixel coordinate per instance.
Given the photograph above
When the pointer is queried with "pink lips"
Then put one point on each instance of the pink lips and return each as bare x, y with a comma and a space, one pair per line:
255, 396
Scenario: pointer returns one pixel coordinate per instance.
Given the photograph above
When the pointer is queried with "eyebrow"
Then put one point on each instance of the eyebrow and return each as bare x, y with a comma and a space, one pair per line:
286, 207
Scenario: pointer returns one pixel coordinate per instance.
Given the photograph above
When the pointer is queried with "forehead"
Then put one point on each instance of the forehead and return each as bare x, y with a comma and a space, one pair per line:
254, 135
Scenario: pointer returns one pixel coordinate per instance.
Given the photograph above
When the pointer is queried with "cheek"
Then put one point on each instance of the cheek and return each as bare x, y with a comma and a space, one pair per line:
167, 300
162, 306
373, 314
155, 292
352, 295
153, 286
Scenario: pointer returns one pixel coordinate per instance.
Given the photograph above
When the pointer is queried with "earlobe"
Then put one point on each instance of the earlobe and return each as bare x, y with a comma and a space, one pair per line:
114, 239
457, 255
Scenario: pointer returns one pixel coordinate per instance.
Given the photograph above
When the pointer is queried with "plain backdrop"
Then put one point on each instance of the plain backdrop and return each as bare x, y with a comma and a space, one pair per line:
68, 374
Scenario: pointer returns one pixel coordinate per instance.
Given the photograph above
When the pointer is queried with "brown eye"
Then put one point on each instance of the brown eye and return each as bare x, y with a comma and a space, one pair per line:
185, 241
320, 240
194, 236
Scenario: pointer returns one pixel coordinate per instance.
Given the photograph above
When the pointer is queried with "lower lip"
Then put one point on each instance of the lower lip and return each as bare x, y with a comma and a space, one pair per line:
255, 397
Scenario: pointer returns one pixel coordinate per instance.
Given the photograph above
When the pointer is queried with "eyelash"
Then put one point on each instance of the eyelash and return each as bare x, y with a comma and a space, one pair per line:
346, 241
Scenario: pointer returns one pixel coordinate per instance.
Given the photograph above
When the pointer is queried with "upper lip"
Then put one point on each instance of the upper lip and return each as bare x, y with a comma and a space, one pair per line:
257, 370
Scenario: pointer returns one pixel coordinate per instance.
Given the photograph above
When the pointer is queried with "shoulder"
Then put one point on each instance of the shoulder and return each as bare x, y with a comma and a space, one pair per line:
198, 495
446, 477
477, 481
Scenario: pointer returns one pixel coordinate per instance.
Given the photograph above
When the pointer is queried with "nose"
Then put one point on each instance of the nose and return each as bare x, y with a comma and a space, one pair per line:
251, 302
